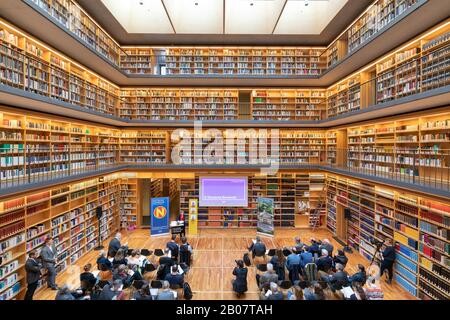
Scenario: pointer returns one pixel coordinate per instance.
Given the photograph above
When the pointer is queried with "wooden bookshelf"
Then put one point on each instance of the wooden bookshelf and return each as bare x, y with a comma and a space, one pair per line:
410, 146
136, 60
418, 224
32, 66
66, 214
129, 203
33, 145
245, 61
144, 146
176, 104
292, 193
287, 104
72, 17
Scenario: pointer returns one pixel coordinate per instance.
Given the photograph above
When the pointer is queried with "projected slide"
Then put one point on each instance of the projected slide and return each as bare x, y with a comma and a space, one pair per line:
223, 192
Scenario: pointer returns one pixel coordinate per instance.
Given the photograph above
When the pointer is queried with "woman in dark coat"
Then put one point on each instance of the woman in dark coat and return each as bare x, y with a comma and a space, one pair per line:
240, 283
279, 261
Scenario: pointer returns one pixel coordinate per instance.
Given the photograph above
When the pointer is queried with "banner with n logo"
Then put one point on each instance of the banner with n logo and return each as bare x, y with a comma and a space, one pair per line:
159, 211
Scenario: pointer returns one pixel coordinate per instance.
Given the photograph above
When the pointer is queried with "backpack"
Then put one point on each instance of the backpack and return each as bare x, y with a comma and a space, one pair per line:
187, 292
247, 260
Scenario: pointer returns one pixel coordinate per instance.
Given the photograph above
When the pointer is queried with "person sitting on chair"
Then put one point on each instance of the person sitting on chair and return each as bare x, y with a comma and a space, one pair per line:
360, 276
298, 244
119, 258
293, 266
87, 279
273, 293
186, 252
173, 247
326, 244
258, 248
339, 279
165, 259
112, 292
314, 248
102, 259
340, 258
134, 259
305, 257
105, 273
174, 277
165, 293
325, 262
115, 245
143, 293
240, 283
279, 262
267, 277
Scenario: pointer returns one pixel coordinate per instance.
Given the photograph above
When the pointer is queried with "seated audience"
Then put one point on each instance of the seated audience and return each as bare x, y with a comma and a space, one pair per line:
112, 292
359, 276
119, 258
267, 277
298, 244
115, 245
172, 245
87, 279
186, 252
143, 293
314, 248
273, 293
293, 266
318, 292
64, 293
305, 257
326, 244
134, 258
174, 277
165, 293
325, 262
295, 293
105, 273
340, 258
258, 248
359, 291
279, 261
102, 259
165, 259
339, 279
308, 290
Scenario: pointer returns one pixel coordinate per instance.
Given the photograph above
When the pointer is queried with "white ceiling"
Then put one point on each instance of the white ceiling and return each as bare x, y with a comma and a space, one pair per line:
224, 16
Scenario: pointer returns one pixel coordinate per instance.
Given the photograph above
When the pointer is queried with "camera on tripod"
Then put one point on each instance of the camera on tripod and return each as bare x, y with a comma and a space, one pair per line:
377, 243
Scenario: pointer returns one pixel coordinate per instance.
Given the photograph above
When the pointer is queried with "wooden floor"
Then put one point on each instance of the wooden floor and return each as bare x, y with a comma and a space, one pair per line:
214, 253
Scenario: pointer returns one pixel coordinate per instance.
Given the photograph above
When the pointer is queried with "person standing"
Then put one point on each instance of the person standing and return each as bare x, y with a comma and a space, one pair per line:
33, 269
388, 259
48, 256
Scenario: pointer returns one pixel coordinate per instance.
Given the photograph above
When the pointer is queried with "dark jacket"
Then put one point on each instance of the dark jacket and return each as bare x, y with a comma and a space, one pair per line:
174, 249
314, 248
258, 249
114, 246
33, 270
105, 261
166, 260
360, 277
341, 259
278, 267
240, 283
389, 254
117, 263
175, 279
339, 280
138, 296
89, 279
324, 263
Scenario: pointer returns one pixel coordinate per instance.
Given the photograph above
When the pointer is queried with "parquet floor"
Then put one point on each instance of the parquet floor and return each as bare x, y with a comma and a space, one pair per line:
214, 253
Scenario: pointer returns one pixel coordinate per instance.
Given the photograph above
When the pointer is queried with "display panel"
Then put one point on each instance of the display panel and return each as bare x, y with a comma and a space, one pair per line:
223, 192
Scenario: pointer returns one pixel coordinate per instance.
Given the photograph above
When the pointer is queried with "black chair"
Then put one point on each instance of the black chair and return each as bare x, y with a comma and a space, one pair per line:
262, 267
146, 252
149, 267
159, 252
138, 284
129, 251
271, 252
285, 284
286, 252
156, 284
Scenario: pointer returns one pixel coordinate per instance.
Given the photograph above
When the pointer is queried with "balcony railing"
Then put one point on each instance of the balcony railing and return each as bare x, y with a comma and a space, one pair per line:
157, 62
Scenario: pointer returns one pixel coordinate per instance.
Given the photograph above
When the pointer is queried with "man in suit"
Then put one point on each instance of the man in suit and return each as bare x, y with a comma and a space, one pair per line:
48, 256
173, 247
258, 248
326, 244
174, 278
114, 245
339, 279
325, 262
33, 269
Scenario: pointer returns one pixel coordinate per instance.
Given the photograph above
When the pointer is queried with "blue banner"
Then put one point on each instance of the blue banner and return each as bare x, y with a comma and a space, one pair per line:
159, 211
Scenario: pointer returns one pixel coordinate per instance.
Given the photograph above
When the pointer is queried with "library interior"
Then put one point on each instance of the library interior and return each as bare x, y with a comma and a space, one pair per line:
224, 150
